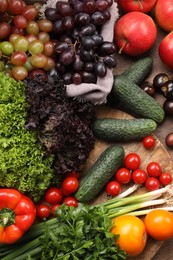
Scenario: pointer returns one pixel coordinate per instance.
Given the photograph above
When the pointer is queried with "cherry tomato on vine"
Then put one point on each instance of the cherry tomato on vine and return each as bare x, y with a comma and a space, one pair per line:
70, 201
148, 142
53, 195
154, 169
165, 178
159, 224
139, 176
43, 211
113, 188
70, 185
132, 161
123, 175
152, 183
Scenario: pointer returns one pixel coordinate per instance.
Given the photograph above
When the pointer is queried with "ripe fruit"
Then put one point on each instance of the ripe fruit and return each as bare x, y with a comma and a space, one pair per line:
159, 224
132, 231
164, 13
143, 6
166, 50
135, 33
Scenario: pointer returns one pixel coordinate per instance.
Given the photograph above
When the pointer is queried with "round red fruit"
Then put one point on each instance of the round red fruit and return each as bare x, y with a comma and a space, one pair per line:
139, 176
132, 161
43, 211
70, 201
152, 183
165, 178
123, 175
148, 142
53, 195
113, 188
154, 169
70, 185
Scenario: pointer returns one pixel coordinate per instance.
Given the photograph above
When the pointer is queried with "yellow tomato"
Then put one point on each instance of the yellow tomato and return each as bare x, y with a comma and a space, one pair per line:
159, 224
132, 234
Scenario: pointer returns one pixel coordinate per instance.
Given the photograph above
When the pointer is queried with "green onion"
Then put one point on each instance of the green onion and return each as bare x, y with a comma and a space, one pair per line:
30, 244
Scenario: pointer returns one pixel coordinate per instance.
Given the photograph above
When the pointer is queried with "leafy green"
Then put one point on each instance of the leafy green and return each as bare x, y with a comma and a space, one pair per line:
81, 233
23, 164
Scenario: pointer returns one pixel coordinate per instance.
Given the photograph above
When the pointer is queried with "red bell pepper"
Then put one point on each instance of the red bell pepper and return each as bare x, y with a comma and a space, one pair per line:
17, 214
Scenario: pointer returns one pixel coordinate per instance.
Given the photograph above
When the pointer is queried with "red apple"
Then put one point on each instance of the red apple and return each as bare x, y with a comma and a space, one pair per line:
164, 14
166, 50
143, 6
135, 33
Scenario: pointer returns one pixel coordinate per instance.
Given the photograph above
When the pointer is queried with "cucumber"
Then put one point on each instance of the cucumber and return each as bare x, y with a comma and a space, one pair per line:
111, 129
136, 99
139, 70
100, 173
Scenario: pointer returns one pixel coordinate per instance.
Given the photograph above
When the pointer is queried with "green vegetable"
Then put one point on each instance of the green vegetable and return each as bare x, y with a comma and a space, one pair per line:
111, 129
76, 233
82, 232
136, 99
23, 164
139, 70
100, 173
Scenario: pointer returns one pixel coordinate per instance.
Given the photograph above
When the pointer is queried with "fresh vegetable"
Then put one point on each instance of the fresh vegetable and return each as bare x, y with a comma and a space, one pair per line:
139, 176
70, 201
152, 183
154, 169
111, 129
70, 185
132, 161
113, 188
148, 142
43, 211
165, 178
136, 99
123, 175
23, 164
132, 234
62, 125
139, 70
17, 214
159, 224
53, 195
84, 230
100, 173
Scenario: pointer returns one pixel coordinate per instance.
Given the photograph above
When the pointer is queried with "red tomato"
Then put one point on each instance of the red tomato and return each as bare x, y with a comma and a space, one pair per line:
70, 185
139, 176
152, 183
43, 211
53, 208
70, 201
53, 195
123, 175
132, 161
154, 169
148, 142
113, 188
165, 178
